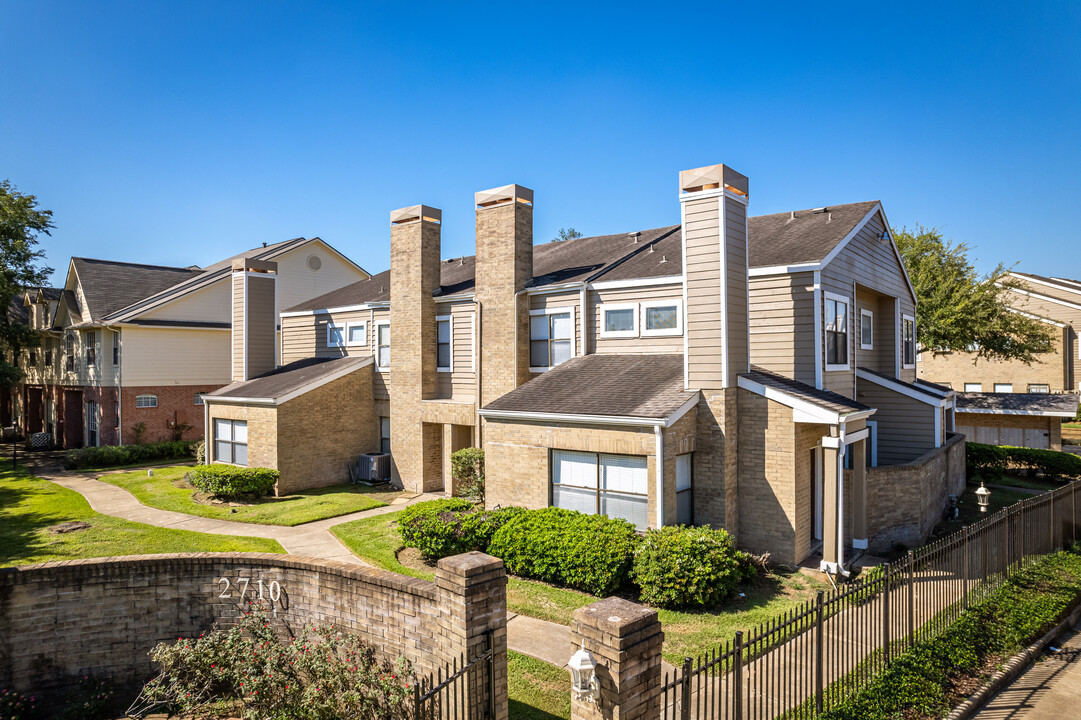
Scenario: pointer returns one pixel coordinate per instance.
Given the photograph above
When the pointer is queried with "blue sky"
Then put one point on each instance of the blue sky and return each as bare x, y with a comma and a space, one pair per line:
179, 133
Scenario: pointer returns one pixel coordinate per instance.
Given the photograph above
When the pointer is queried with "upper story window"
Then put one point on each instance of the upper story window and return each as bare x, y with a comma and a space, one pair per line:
33, 358
908, 342
335, 335
1004, 387
443, 357
973, 387
146, 401
662, 317
91, 349
48, 353
867, 330
116, 349
551, 337
836, 332
619, 321
356, 334
382, 347
1039, 388
69, 352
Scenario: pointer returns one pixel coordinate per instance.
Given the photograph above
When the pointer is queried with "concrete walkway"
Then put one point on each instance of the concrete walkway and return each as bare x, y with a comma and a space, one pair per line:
1049, 690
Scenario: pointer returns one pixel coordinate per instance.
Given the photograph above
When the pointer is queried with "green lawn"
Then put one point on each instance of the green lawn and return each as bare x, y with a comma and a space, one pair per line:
1021, 481
969, 509
30, 505
167, 491
538, 690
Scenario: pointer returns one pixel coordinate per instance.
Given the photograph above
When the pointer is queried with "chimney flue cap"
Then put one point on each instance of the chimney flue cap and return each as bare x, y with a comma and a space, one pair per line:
503, 195
416, 213
253, 265
713, 177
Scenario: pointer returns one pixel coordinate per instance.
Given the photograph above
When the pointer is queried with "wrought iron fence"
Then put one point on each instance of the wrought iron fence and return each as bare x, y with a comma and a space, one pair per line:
809, 659
463, 689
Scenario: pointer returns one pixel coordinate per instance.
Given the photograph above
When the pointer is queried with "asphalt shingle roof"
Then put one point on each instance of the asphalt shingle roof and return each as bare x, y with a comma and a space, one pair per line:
1018, 403
289, 378
803, 236
825, 399
109, 286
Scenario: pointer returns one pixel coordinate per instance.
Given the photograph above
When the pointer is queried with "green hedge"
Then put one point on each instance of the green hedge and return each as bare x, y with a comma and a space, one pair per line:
990, 460
231, 481
440, 528
680, 567
111, 455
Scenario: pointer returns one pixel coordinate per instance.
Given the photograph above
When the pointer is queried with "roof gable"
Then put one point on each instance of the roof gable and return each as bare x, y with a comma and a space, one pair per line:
108, 286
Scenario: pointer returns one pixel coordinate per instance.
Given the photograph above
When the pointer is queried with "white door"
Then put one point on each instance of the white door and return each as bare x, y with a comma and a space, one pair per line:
91, 424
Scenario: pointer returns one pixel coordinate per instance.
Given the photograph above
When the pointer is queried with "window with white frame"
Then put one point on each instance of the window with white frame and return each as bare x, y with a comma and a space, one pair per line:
619, 321
1004, 387
867, 330
601, 484
198, 399
551, 337
384, 434
356, 334
91, 349
444, 359
1040, 388
973, 387
116, 349
92, 439
231, 441
836, 332
146, 401
382, 346
335, 335
908, 342
662, 317
69, 352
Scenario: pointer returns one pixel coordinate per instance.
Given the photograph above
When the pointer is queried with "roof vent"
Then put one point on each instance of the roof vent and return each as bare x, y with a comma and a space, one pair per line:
819, 211
664, 258
314, 263
634, 236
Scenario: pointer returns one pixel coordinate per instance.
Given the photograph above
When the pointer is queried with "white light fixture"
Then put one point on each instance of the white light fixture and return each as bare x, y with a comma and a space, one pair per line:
983, 497
583, 675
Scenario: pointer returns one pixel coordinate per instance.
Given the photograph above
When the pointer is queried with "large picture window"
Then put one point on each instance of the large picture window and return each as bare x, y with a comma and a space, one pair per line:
551, 336
231, 441
836, 332
601, 484
908, 341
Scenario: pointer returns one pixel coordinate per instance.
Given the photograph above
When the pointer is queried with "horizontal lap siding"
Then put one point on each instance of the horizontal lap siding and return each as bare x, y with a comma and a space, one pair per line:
781, 332
211, 304
169, 357
647, 344
306, 336
1060, 313
380, 380
703, 325
736, 258
297, 283
460, 384
906, 427
881, 357
262, 335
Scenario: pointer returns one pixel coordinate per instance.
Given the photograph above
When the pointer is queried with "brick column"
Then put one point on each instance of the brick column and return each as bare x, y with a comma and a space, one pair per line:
472, 595
625, 639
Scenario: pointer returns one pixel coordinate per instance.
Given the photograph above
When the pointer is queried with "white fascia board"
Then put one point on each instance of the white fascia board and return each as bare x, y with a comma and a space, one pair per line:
549, 289
855, 437
995, 411
811, 412
571, 418
636, 283
138, 326
1048, 298
783, 269
902, 389
1040, 318
839, 248
327, 311
858, 415
467, 297
211, 399
683, 409
1052, 285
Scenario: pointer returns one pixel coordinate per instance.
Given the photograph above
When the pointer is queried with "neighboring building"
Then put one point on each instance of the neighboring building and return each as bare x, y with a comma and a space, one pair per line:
1032, 420
128, 345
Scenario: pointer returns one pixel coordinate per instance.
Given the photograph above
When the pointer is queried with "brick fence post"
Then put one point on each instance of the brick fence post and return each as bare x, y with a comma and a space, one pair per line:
625, 639
472, 593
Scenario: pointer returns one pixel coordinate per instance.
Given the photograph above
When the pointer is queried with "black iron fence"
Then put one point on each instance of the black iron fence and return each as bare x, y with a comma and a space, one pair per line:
809, 659
464, 689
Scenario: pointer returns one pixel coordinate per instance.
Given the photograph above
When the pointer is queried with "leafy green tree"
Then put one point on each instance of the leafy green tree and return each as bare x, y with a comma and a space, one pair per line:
21, 267
959, 310
567, 234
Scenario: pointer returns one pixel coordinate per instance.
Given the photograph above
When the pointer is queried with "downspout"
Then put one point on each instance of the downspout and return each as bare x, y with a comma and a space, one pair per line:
857, 325
206, 432
819, 342
582, 295
658, 434
477, 366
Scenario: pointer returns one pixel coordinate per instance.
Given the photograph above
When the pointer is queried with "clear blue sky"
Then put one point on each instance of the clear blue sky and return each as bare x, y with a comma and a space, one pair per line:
183, 132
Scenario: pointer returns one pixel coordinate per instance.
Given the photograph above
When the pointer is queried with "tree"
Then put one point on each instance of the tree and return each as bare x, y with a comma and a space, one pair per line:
21, 222
959, 310
567, 234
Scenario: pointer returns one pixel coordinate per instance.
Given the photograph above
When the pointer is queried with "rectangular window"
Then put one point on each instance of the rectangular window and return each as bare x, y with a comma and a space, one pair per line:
598, 483
116, 349
33, 358
662, 318
443, 357
551, 337
356, 334
836, 332
1004, 387
973, 387
684, 489
146, 401
908, 342
116, 414
48, 353
231, 441
69, 352
384, 434
91, 349
619, 321
91, 424
867, 330
1039, 388
198, 399
335, 335
382, 350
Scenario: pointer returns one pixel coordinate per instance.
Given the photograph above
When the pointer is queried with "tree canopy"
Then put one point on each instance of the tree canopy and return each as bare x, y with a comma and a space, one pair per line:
567, 234
21, 267
960, 310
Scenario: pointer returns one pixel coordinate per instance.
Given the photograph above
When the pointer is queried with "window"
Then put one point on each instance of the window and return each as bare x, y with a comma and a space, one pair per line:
1004, 387
91, 349
867, 330
619, 321
33, 358
662, 318
48, 353
116, 414
335, 335
443, 329
91, 424
1039, 388
600, 484
973, 387
231, 441
116, 349
684, 489
198, 400
146, 401
908, 342
836, 332
382, 350
384, 434
69, 352
356, 334
551, 337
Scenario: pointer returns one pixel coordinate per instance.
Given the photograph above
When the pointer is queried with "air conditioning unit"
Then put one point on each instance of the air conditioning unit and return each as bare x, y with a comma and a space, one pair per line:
371, 469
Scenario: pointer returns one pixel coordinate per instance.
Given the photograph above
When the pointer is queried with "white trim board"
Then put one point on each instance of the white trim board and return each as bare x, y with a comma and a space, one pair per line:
581, 419
927, 398
315, 384
1057, 285
807, 411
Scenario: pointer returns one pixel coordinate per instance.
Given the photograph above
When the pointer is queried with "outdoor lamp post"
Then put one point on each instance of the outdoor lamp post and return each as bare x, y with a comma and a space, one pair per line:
583, 675
983, 497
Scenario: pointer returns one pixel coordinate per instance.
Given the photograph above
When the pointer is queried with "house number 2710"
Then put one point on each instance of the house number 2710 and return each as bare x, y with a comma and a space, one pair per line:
272, 592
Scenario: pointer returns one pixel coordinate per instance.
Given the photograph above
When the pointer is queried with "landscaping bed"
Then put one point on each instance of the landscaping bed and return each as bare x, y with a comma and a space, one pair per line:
168, 490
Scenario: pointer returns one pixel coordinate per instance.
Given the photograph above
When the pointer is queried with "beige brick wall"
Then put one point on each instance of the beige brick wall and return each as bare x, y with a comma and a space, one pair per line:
716, 460
679, 439
956, 369
262, 431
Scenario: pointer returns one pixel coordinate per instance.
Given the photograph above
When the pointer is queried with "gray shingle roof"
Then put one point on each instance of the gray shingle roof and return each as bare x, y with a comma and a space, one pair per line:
824, 399
805, 236
923, 387
1064, 405
645, 386
109, 286
290, 378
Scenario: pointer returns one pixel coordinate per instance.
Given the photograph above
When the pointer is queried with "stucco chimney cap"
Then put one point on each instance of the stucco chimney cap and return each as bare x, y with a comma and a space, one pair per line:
712, 177
504, 194
415, 213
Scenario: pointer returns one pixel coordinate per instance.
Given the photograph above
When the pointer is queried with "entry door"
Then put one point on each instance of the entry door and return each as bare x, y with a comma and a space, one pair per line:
91, 424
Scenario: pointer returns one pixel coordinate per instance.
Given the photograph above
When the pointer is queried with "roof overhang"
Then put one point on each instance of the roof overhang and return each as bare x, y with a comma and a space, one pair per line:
921, 393
211, 398
803, 410
1007, 411
583, 419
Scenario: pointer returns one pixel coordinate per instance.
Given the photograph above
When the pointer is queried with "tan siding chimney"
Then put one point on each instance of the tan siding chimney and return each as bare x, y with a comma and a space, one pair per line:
255, 287
504, 266
414, 278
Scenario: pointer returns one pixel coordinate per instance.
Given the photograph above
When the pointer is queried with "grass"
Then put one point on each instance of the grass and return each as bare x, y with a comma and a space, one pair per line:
538, 690
166, 491
30, 505
969, 510
1023, 482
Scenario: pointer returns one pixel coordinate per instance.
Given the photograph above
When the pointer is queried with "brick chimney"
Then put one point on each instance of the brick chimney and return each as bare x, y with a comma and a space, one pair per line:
504, 266
255, 317
414, 278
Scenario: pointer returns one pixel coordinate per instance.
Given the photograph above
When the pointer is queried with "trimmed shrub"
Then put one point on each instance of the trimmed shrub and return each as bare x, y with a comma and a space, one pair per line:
230, 481
592, 553
989, 460
111, 455
440, 528
984, 460
200, 452
467, 468
681, 567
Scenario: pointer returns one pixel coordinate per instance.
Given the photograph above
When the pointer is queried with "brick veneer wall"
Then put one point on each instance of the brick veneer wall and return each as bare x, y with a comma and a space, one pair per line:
955, 369
262, 431
716, 460
105, 397
175, 403
102, 616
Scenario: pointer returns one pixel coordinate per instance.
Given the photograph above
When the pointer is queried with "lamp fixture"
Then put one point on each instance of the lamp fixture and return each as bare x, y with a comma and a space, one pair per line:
583, 675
